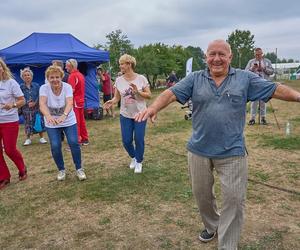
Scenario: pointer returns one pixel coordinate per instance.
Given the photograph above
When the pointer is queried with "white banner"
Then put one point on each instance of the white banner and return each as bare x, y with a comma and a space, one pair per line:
189, 66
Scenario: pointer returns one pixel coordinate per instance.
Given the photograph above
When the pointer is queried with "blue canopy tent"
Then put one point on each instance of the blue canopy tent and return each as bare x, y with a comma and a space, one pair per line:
39, 49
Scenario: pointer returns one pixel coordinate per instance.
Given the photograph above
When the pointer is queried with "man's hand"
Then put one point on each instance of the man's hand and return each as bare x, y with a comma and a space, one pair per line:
145, 114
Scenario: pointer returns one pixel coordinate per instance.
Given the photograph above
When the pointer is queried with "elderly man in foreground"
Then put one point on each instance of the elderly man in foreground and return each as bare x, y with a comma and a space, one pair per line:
219, 95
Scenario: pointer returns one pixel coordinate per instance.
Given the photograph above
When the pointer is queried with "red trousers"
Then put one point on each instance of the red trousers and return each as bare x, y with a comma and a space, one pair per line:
8, 138
81, 127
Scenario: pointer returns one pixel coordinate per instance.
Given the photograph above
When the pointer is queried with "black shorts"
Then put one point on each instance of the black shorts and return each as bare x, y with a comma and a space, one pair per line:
107, 98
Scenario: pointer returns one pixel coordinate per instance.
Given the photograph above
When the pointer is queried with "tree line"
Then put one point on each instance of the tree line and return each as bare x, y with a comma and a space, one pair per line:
158, 60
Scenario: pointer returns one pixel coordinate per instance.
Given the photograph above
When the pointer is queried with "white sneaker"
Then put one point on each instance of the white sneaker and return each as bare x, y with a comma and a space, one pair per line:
42, 140
27, 142
80, 174
138, 168
132, 163
61, 175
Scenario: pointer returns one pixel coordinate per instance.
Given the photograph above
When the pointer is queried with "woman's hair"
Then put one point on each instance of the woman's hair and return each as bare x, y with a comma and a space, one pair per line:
54, 69
6, 75
128, 59
27, 69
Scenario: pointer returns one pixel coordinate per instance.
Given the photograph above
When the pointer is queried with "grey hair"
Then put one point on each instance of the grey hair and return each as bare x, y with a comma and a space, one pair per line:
226, 44
73, 62
27, 69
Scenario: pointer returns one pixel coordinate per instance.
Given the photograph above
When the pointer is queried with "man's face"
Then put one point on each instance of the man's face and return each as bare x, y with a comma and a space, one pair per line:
218, 58
258, 54
69, 67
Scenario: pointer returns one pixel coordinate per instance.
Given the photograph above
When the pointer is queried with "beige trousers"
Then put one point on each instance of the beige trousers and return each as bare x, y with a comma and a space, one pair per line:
232, 172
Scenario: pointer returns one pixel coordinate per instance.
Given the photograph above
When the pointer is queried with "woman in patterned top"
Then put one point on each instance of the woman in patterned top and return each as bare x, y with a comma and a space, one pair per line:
133, 90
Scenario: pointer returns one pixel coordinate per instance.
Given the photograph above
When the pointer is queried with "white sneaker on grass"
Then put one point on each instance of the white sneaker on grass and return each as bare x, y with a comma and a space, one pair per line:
80, 174
42, 140
138, 168
61, 175
27, 142
132, 163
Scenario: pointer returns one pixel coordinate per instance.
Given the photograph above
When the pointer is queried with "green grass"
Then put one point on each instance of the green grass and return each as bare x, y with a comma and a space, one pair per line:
279, 142
273, 240
262, 176
171, 127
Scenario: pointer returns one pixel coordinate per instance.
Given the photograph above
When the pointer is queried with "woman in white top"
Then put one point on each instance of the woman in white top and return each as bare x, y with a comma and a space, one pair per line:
11, 98
132, 89
56, 104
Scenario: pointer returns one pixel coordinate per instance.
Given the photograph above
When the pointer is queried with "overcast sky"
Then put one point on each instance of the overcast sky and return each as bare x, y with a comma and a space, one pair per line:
274, 24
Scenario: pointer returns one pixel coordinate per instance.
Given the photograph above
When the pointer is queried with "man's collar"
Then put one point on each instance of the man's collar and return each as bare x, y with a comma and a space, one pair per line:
231, 71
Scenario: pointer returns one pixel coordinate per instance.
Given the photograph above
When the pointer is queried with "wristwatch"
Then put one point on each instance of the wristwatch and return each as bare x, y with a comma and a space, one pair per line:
15, 105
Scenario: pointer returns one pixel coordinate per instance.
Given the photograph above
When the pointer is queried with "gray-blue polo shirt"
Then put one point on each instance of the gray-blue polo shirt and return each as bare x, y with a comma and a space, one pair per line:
219, 113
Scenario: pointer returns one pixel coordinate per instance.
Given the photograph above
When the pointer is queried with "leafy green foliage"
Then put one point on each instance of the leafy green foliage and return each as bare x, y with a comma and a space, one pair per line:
242, 46
272, 57
117, 45
158, 59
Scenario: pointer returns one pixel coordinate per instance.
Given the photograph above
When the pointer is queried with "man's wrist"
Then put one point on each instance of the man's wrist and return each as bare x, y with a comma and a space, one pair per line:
15, 105
65, 114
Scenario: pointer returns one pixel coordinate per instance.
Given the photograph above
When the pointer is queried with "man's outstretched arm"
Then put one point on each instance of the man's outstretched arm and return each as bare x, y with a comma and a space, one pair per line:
162, 101
286, 93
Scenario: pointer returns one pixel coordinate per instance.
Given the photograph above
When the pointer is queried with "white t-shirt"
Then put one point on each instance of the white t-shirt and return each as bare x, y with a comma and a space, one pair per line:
9, 91
131, 104
56, 104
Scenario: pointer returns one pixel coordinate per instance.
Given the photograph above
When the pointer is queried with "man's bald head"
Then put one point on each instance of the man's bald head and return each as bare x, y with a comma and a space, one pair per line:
219, 42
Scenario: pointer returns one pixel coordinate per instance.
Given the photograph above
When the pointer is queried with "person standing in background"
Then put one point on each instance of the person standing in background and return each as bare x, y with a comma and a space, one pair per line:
11, 98
30, 90
107, 89
172, 79
262, 67
77, 81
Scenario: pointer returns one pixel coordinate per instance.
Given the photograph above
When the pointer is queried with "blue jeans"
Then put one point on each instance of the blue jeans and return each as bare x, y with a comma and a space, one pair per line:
130, 128
54, 135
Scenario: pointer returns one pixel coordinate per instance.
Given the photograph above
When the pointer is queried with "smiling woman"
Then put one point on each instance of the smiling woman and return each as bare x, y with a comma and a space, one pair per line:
133, 90
31, 108
56, 104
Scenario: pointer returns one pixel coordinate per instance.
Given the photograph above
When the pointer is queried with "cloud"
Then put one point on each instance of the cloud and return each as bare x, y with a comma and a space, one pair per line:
185, 22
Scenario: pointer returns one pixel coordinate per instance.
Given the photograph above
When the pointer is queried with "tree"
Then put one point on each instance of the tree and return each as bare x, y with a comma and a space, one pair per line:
117, 45
154, 60
242, 46
198, 57
272, 57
